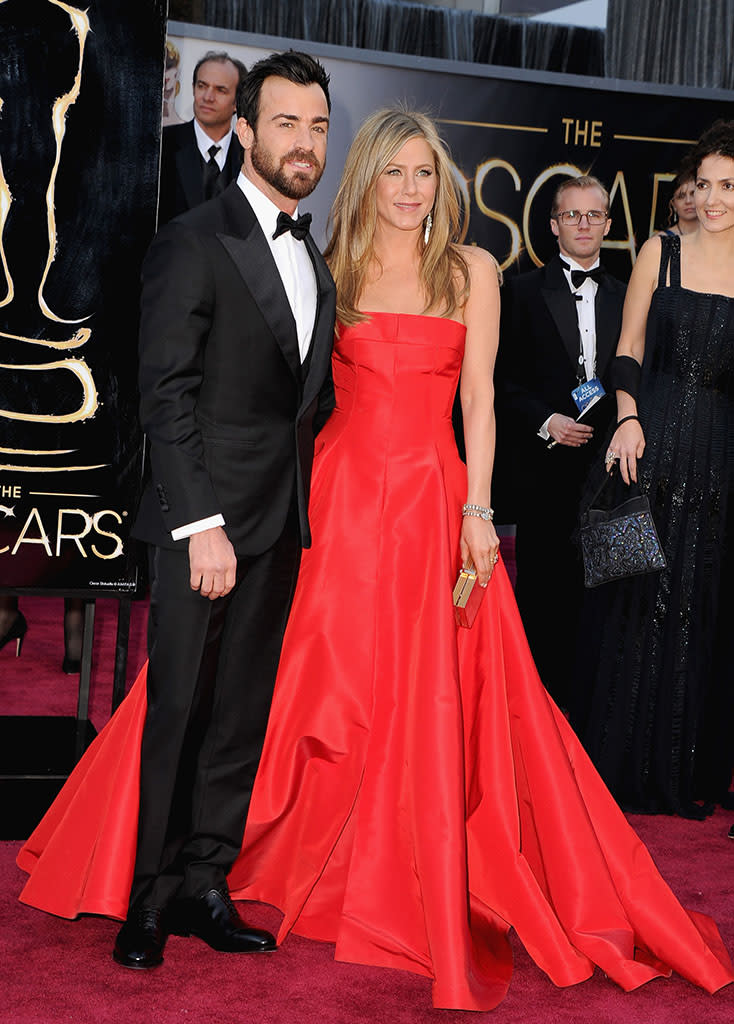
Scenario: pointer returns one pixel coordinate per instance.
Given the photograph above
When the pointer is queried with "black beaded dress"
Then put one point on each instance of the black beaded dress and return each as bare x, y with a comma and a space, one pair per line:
655, 687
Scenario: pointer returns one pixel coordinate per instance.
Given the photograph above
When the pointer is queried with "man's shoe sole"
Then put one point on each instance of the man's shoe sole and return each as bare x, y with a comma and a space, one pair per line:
135, 965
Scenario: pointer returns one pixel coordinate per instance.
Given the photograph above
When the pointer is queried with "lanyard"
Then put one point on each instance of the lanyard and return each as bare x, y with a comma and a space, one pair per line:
581, 373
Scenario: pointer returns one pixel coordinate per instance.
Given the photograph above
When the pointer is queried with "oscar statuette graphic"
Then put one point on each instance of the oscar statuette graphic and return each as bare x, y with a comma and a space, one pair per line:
79, 137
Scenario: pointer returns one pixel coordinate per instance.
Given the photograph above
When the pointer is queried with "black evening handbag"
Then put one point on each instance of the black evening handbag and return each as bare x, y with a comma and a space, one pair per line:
619, 542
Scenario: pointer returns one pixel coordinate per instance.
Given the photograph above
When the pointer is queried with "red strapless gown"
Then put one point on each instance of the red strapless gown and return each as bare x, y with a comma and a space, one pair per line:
419, 792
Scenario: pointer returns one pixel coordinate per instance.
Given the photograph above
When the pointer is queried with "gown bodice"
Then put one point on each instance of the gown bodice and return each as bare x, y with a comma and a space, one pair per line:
395, 377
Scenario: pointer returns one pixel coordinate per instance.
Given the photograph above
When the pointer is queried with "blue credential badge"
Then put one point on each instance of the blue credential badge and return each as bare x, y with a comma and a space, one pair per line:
587, 393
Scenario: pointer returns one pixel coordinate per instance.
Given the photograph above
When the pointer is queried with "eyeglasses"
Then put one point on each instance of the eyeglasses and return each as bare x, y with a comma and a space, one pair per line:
593, 217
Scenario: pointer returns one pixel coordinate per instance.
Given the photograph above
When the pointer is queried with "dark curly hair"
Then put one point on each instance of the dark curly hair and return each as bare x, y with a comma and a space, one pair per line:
686, 172
718, 140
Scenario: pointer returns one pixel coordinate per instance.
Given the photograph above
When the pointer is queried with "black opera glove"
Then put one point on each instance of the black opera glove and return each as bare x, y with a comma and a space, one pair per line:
624, 375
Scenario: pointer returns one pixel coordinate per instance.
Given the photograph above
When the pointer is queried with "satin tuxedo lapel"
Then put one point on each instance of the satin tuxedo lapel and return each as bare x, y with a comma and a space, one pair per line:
323, 331
562, 307
251, 254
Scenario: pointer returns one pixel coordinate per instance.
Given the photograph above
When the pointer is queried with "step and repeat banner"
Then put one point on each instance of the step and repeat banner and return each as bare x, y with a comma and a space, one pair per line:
81, 94
80, 102
513, 136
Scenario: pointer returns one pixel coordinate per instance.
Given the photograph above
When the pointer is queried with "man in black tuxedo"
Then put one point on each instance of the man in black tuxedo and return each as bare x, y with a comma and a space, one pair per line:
236, 332
559, 329
201, 157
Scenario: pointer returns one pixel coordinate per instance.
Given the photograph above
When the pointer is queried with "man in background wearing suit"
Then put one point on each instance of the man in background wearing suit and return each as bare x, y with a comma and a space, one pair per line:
201, 157
237, 322
559, 330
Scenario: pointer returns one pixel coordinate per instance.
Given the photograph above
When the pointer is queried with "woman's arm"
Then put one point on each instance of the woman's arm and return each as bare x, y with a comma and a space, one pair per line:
479, 541
628, 442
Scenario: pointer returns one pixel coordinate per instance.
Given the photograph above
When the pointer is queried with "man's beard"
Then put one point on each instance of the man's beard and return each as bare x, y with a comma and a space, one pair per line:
294, 186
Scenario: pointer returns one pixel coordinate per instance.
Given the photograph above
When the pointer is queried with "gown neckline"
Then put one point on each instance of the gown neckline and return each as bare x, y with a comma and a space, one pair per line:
418, 316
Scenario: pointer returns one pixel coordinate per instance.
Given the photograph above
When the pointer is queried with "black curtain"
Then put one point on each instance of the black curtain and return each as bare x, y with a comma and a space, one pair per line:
540, 45
672, 41
411, 28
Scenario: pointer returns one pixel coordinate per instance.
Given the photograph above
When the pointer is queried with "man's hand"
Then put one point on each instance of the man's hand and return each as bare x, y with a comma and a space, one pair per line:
212, 562
566, 431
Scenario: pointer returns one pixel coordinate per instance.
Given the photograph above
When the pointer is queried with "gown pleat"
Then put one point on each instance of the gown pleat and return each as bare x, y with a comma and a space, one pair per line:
419, 793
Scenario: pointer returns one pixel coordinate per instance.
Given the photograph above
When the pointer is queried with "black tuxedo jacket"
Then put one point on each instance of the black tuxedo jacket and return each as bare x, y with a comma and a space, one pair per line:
229, 415
536, 372
181, 186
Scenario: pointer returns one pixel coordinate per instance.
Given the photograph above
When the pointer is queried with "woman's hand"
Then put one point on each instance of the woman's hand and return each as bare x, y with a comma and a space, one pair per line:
627, 446
479, 546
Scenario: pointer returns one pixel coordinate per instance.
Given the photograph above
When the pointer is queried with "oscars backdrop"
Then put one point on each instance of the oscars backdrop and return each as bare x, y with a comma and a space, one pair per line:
513, 135
80, 108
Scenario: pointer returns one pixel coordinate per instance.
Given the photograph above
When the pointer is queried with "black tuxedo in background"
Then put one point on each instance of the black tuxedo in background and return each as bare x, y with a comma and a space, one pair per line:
182, 168
230, 414
537, 488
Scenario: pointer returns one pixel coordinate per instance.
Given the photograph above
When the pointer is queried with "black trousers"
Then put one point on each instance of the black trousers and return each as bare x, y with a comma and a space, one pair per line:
211, 673
549, 591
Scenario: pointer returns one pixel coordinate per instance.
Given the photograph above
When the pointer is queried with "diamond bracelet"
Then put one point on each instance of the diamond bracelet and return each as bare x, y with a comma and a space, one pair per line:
478, 510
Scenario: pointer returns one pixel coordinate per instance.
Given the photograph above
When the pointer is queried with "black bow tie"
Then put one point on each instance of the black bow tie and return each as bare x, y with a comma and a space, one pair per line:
298, 228
579, 276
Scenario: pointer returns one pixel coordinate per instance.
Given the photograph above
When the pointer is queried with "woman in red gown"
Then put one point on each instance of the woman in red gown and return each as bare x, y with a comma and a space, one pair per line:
419, 793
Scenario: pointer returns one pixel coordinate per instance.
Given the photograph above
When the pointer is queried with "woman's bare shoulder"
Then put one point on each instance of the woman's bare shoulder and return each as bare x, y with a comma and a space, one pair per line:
481, 262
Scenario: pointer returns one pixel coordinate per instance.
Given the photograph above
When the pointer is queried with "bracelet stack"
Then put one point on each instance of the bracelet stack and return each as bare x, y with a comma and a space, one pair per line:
478, 510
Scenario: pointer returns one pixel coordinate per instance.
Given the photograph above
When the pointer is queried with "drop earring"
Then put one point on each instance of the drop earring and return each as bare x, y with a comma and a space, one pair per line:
427, 232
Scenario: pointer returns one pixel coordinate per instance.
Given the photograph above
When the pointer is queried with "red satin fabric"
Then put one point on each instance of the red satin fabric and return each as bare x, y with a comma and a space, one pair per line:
419, 792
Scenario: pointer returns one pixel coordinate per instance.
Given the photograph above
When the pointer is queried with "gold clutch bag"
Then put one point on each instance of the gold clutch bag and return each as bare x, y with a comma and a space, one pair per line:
467, 598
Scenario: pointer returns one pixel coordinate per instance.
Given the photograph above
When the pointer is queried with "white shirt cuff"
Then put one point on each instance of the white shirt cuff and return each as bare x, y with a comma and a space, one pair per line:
182, 532
543, 432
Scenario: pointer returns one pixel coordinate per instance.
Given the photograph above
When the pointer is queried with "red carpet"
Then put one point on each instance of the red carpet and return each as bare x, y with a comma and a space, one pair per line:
61, 971
34, 684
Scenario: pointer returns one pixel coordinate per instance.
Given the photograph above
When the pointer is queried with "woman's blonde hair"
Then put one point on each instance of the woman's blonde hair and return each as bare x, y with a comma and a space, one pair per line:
443, 270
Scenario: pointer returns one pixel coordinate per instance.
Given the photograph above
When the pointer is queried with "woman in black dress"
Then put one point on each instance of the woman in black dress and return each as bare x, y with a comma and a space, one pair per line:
655, 700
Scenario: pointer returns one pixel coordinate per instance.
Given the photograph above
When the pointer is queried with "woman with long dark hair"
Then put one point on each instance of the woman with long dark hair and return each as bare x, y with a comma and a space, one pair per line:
656, 697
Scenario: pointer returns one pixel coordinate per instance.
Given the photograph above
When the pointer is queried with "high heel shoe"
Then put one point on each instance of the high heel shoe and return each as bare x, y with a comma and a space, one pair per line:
16, 632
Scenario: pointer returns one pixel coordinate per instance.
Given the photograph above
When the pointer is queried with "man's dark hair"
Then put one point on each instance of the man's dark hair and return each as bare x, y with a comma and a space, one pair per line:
221, 57
293, 65
718, 140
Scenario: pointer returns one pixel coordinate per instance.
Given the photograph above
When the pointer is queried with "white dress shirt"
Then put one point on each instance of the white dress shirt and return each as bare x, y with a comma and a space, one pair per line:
203, 141
292, 260
586, 314
299, 281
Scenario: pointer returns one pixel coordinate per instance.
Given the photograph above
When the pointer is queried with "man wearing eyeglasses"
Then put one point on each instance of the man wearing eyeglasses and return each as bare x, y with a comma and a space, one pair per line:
559, 331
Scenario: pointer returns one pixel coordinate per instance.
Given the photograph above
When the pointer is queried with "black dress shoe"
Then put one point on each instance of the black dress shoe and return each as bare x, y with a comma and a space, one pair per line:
214, 918
141, 939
